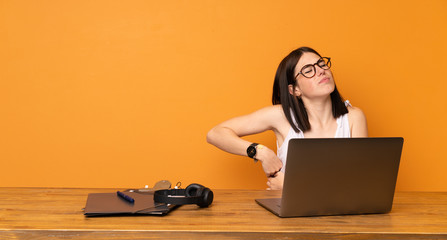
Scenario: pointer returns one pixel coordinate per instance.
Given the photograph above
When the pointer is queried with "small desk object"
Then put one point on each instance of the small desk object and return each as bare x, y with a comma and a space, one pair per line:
56, 213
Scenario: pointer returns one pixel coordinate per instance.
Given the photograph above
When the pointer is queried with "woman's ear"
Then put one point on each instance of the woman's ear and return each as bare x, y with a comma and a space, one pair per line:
294, 90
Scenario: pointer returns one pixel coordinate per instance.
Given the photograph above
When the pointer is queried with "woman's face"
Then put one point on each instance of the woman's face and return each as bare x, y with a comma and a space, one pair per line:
320, 85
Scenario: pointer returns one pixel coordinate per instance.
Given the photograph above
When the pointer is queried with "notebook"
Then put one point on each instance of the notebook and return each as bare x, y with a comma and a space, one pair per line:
338, 176
109, 204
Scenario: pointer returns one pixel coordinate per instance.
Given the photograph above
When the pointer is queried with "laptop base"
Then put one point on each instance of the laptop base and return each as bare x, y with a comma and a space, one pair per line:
271, 204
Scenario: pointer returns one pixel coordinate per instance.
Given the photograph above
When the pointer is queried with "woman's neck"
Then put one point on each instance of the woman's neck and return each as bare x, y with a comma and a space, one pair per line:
319, 110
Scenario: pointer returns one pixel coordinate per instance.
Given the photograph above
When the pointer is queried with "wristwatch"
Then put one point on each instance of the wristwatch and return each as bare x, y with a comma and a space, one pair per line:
251, 151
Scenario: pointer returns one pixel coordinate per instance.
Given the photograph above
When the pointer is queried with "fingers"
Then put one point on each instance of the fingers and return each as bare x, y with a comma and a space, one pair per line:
277, 167
274, 174
270, 161
271, 174
271, 184
271, 171
276, 182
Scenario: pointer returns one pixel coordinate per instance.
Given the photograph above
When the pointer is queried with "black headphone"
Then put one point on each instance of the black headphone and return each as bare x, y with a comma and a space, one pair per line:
193, 194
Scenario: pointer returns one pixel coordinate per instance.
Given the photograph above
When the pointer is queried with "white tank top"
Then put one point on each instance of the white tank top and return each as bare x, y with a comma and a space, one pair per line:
343, 131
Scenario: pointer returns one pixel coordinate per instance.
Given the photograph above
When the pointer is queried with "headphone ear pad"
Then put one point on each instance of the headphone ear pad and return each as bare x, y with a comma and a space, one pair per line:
207, 198
204, 194
194, 190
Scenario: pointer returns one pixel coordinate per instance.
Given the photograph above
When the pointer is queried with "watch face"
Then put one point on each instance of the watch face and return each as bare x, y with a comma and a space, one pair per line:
251, 151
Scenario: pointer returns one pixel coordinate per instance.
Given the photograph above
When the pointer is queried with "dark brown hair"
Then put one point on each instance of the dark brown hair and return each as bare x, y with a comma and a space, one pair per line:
294, 106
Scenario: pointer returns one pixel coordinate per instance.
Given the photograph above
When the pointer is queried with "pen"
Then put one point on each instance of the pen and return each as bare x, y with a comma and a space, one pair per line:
125, 197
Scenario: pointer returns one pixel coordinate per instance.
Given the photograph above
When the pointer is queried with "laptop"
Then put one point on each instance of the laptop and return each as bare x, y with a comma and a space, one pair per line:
338, 176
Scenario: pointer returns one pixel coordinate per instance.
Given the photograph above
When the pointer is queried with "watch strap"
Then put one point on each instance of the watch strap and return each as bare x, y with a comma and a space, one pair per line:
258, 147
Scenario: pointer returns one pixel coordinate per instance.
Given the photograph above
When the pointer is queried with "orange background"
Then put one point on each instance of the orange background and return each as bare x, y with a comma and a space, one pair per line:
122, 93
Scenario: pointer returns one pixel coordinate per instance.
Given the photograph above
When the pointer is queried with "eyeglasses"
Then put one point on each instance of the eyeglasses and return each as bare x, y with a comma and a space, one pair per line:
309, 70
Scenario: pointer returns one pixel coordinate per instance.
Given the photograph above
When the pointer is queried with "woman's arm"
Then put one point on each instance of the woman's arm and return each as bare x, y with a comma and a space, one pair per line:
227, 136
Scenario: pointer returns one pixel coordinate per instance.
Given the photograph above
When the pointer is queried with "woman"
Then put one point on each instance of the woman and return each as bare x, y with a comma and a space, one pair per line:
306, 104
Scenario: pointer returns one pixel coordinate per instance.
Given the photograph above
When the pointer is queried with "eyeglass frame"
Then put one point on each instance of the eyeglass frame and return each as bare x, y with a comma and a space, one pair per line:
328, 64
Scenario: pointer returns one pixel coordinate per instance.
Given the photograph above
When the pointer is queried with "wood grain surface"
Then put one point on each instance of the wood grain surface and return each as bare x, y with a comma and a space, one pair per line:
47, 213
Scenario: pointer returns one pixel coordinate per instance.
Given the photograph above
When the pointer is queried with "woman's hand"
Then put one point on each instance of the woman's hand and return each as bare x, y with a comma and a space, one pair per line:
271, 164
276, 182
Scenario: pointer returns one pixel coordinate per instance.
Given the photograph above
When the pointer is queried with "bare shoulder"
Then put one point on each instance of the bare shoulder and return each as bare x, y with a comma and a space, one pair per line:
357, 122
356, 113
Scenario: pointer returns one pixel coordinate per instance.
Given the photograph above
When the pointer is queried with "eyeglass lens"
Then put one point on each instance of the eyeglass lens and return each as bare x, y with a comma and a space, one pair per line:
309, 70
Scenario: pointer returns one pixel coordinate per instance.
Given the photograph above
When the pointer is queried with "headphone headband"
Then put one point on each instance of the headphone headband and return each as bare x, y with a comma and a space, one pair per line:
174, 196
193, 194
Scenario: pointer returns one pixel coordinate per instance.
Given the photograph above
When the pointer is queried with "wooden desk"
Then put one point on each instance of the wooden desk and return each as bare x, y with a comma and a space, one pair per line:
45, 213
